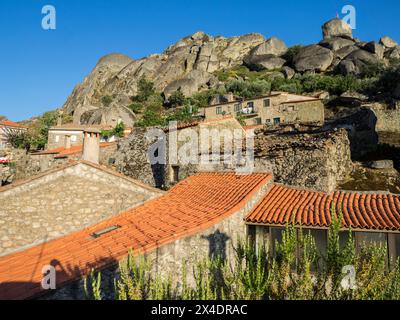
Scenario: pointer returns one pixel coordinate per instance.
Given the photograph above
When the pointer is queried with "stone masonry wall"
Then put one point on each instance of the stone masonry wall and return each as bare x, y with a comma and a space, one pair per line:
316, 161
30, 164
61, 202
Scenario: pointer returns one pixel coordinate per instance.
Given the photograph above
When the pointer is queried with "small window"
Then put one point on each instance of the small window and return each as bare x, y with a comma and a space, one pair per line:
175, 174
267, 103
277, 121
237, 107
219, 110
257, 121
290, 109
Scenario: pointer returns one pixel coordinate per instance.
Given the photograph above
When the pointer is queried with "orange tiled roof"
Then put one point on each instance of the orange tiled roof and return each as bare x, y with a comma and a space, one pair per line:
9, 123
192, 206
62, 151
310, 208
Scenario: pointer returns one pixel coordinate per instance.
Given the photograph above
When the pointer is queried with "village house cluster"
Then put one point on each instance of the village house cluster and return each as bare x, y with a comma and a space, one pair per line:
82, 214
272, 109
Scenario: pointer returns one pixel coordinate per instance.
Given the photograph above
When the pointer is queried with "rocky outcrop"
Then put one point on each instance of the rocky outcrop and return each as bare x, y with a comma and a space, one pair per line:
273, 46
313, 58
336, 28
190, 66
187, 65
336, 43
388, 42
356, 61
318, 161
267, 62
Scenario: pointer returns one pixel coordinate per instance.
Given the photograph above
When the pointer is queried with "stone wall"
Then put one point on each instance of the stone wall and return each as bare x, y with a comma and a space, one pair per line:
388, 120
31, 164
317, 161
62, 201
169, 260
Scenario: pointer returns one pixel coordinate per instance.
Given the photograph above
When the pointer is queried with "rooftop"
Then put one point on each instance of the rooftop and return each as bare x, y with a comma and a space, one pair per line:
62, 151
191, 206
9, 123
361, 211
80, 127
64, 200
290, 98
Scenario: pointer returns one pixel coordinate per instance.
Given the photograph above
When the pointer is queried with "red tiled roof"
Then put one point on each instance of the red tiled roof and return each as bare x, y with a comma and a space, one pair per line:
282, 204
192, 206
9, 123
62, 151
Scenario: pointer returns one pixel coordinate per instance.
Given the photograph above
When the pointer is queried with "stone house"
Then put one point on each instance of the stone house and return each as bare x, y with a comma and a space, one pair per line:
71, 135
194, 220
7, 126
66, 199
272, 109
133, 156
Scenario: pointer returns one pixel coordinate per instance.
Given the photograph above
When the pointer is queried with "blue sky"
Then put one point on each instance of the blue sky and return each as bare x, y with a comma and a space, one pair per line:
39, 68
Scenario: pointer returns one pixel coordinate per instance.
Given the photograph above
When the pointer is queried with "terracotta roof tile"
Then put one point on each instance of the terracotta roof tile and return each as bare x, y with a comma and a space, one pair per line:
191, 206
62, 151
282, 204
9, 123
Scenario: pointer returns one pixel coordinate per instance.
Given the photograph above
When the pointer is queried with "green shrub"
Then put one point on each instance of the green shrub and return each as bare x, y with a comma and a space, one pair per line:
18, 139
106, 101
257, 273
177, 99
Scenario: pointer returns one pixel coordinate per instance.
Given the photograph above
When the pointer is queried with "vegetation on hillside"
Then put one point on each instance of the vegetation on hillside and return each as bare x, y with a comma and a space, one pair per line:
295, 271
37, 135
118, 131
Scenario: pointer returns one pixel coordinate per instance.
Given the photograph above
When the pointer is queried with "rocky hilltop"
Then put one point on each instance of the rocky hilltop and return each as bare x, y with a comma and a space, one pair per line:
190, 66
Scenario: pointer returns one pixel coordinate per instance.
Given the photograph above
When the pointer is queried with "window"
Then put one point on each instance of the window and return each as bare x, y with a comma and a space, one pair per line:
277, 121
250, 105
267, 103
237, 107
219, 110
57, 138
73, 138
175, 174
290, 109
257, 121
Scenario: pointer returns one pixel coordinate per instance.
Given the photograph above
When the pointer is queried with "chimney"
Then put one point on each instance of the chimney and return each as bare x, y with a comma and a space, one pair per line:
67, 140
91, 145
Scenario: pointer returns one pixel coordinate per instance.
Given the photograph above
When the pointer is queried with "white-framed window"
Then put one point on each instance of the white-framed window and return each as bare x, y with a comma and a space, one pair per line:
237, 107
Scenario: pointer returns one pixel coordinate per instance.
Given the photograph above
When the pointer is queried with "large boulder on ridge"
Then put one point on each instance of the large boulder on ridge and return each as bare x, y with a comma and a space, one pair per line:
355, 62
271, 46
337, 28
313, 58
388, 42
266, 62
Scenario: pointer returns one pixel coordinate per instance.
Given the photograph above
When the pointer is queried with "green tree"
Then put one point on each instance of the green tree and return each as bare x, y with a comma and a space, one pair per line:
106, 101
176, 99
18, 139
145, 90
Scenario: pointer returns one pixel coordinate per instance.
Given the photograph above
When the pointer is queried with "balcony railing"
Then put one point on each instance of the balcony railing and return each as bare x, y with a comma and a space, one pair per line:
248, 111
